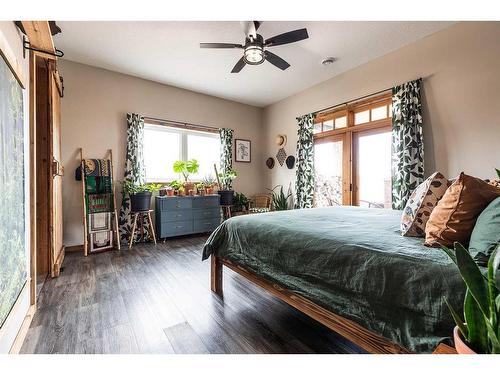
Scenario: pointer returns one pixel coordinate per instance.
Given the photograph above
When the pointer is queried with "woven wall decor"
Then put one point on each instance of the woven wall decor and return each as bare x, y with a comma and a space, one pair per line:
281, 156
270, 163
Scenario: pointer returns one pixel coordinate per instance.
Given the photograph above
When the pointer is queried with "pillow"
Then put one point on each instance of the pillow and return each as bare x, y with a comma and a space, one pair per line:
486, 233
453, 219
421, 203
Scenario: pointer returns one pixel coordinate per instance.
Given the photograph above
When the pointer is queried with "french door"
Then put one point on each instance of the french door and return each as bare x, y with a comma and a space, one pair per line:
352, 155
332, 171
372, 168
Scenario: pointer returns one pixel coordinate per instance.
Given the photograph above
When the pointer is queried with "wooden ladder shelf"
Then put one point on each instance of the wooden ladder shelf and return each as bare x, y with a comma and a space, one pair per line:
108, 207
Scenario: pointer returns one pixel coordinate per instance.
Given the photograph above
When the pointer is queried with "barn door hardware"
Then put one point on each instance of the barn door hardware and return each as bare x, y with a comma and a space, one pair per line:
27, 46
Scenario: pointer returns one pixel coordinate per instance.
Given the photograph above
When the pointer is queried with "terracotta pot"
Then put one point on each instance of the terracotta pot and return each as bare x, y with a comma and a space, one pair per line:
170, 193
460, 345
191, 192
209, 191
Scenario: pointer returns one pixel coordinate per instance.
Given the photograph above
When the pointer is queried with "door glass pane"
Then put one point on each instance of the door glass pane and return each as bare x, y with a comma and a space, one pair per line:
317, 128
161, 149
205, 149
328, 125
341, 122
374, 170
379, 113
361, 117
328, 173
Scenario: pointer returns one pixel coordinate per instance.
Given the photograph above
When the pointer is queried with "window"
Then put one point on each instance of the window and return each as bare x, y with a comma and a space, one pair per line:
352, 157
163, 145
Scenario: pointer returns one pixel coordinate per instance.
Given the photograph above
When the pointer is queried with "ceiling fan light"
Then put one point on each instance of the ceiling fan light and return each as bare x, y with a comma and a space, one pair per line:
254, 55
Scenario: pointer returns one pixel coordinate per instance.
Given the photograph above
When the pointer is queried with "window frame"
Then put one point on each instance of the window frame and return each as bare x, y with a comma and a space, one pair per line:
350, 136
183, 141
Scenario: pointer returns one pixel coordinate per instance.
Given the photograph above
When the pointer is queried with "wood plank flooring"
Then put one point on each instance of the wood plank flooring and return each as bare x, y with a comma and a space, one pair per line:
157, 299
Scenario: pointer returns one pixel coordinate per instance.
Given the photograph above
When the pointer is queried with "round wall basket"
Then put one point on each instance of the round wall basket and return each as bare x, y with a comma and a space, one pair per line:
270, 163
290, 161
281, 140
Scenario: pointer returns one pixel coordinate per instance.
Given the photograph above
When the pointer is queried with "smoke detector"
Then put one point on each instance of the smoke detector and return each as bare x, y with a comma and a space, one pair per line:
328, 61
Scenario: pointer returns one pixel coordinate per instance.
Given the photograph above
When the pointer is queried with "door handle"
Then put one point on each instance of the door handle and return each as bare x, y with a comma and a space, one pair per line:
57, 168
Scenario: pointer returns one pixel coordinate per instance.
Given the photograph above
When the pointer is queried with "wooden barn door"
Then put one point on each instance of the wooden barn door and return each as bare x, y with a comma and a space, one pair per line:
57, 171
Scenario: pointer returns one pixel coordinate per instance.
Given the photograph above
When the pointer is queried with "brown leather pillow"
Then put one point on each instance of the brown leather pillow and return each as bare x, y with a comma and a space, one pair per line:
455, 215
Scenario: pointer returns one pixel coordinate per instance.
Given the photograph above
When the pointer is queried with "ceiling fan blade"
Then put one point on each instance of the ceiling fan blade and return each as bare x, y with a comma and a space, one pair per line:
289, 37
239, 65
276, 60
220, 45
250, 28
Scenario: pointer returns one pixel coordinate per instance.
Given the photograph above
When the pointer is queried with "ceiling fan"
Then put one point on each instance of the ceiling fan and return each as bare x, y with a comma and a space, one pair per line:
254, 49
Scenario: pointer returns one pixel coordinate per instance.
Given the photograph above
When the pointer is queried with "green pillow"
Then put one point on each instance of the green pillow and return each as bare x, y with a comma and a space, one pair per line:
486, 233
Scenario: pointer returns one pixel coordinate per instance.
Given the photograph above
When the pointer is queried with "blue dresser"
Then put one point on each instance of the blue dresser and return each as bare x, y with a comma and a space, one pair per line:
177, 216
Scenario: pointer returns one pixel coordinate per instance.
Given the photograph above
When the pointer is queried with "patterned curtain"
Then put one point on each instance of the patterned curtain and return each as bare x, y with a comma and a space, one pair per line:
407, 142
135, 172
226, 150
304, 185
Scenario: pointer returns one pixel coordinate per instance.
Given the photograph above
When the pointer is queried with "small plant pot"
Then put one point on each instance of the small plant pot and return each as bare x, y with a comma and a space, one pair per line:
191, 192
226, 197
201, 192
209, 191
170, 193
140, 201
460, 345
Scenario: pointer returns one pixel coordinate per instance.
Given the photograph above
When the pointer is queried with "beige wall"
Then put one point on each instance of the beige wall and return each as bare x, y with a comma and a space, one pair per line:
94, 111
461, 98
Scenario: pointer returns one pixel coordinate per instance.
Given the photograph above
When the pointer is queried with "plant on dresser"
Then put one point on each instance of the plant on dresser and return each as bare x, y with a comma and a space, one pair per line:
187, 168
479, 331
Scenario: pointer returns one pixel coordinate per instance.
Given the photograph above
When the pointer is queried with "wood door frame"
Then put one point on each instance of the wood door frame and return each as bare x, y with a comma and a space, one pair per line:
350, 135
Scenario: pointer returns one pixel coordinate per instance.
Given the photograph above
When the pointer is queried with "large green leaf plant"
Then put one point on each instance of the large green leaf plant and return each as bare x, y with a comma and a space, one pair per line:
480, 326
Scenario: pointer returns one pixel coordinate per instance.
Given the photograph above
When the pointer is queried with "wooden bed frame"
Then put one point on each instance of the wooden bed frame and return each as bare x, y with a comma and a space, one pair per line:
352, 331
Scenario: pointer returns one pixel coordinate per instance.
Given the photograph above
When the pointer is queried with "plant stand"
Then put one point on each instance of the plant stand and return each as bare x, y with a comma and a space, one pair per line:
100, 219
141, 214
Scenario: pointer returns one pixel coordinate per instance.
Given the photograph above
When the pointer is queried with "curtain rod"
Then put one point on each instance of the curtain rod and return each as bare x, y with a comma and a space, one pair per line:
357, 99
181, 124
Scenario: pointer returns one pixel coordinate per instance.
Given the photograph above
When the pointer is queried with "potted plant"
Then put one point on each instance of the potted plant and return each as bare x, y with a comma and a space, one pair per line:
170, 191
187, 168
226, 193
209, 182
479, 331
174, 185
200, 188
140, 194
279, 200
240, 202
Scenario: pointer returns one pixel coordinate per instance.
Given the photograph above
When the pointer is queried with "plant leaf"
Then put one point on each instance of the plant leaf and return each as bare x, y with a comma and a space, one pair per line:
477, 332
450, 253
473, 278
498, 172
458, 321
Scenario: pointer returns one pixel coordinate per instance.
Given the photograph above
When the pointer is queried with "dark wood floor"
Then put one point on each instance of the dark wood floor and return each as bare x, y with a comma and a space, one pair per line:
156, 299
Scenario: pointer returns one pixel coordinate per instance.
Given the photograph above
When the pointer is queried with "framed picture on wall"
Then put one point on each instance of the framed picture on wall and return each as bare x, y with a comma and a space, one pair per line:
243, 150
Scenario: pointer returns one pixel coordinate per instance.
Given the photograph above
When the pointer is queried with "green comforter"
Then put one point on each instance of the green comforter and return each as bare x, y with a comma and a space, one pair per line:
354, 262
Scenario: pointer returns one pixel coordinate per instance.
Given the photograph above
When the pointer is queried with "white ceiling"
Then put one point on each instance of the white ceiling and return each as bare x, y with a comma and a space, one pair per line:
168, 52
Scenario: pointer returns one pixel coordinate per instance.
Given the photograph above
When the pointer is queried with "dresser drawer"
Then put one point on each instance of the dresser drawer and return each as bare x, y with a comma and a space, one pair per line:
207, 213
176, 215
175, 203
205, 202
176, 228
207, 225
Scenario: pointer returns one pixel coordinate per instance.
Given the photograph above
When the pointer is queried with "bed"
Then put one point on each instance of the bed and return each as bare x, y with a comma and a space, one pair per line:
347, 267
